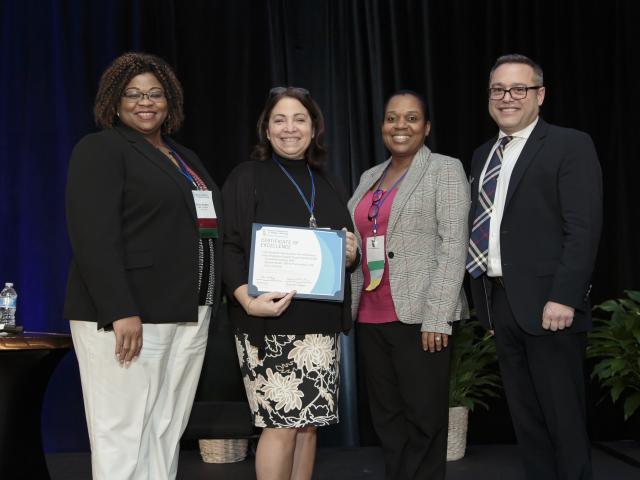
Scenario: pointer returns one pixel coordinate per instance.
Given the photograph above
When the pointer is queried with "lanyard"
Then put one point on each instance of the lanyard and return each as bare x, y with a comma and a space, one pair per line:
182, 167
383, 197
310, 205
207, 224
186, 172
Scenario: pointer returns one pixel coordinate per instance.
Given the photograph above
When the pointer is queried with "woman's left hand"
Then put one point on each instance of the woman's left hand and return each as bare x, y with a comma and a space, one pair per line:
434, 342
128, 332
351, 248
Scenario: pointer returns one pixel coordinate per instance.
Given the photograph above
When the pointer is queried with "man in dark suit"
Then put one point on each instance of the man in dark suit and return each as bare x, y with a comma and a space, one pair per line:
535, 223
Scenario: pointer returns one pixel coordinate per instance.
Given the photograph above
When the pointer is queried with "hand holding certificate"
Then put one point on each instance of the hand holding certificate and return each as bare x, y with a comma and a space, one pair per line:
309, 261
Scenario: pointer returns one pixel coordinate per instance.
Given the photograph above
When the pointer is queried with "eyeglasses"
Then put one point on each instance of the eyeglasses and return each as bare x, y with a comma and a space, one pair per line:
374, 209
517, 93
279, 90
134, 95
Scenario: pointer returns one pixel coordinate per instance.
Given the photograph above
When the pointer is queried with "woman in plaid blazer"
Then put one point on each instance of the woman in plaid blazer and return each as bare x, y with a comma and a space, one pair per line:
411, 215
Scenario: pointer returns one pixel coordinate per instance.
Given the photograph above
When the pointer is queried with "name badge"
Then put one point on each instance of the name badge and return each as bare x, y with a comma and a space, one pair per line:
204, 204
375, 261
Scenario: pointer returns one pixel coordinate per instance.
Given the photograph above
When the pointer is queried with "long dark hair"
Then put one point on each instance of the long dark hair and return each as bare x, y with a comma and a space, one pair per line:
316, 154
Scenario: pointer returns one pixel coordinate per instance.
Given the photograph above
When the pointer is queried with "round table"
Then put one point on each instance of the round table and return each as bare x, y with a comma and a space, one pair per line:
26, 364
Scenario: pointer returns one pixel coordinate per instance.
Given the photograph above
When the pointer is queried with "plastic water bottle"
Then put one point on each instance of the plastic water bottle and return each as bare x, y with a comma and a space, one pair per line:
8, 299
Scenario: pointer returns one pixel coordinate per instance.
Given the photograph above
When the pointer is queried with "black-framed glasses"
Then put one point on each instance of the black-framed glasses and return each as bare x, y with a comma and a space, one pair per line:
279, 90
374, 209
134, 95
517, 93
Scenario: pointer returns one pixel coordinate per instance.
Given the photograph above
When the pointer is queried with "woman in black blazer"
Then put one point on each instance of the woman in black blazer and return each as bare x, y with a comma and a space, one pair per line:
143, 220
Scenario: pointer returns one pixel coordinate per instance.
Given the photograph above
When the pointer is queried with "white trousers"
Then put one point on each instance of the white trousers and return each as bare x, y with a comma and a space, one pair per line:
136, 415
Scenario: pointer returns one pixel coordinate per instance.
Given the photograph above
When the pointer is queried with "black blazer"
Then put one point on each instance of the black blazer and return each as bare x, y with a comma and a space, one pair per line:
550, 227
132, 224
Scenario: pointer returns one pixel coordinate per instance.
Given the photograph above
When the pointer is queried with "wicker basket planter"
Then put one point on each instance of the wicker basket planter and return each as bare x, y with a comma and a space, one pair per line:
223, 451
457, 438
474, 378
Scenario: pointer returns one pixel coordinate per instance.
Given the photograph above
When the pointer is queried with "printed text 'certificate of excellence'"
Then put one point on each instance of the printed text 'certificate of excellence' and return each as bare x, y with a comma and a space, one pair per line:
309, 261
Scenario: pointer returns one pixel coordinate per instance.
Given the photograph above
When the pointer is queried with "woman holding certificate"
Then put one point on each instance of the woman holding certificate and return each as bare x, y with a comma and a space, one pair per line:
410, 214
288, 347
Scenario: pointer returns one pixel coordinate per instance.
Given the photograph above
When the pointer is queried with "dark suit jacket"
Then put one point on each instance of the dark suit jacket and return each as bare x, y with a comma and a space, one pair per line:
550, 228
132, 225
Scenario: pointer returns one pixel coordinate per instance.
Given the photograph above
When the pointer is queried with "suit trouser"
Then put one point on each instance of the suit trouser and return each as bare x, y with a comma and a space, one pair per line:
136, 415
408, 396
543, 377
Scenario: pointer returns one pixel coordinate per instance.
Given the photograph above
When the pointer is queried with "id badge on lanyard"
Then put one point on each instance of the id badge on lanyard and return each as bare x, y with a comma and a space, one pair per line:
206, 212
375, 261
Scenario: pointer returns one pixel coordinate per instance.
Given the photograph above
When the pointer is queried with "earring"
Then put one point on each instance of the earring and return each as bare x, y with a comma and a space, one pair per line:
118, 113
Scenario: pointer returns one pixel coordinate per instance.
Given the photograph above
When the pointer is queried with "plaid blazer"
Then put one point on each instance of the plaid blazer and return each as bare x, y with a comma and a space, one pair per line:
427, 240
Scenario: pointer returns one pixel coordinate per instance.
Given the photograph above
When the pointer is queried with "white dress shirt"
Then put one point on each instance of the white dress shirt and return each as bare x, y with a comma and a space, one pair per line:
509, 158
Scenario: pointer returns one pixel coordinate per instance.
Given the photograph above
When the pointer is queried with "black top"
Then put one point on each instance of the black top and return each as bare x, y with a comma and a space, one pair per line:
133, 229
258, 191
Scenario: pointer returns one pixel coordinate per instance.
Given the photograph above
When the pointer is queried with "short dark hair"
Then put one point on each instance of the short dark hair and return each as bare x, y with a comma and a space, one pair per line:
518, 58
316, 154
116, 77
416, 95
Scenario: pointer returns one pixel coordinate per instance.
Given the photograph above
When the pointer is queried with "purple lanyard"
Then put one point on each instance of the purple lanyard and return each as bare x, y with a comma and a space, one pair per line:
378, 198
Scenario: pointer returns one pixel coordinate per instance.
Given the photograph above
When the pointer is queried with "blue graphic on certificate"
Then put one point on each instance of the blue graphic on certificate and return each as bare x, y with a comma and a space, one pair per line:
309, 261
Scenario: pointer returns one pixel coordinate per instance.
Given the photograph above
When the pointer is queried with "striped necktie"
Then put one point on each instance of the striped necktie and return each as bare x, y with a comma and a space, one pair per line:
479, 241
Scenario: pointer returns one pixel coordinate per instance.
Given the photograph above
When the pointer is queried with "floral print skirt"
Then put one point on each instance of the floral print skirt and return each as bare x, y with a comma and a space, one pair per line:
295, 384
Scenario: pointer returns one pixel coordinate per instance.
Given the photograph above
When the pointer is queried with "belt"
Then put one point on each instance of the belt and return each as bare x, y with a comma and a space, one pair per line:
497, 281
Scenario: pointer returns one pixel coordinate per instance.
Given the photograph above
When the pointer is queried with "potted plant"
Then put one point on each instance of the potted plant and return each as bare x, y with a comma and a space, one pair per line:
615, 343
473, 378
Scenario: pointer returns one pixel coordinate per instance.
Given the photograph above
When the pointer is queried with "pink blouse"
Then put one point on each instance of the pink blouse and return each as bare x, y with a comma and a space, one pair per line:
375, 306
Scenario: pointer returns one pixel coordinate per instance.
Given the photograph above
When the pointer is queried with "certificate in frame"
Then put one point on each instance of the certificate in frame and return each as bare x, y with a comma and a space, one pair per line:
309, 261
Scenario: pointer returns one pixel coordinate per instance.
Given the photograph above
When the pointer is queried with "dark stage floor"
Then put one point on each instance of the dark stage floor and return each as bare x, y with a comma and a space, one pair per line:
490, 462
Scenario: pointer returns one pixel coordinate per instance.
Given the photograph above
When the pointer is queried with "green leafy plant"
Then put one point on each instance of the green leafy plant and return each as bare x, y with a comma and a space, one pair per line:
473, 366
616, 343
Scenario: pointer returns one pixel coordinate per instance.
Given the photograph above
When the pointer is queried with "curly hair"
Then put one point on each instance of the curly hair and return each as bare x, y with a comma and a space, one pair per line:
118, 75
316, 154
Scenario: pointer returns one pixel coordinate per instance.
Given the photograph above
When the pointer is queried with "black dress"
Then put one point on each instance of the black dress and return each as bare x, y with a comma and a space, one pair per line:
290, 364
